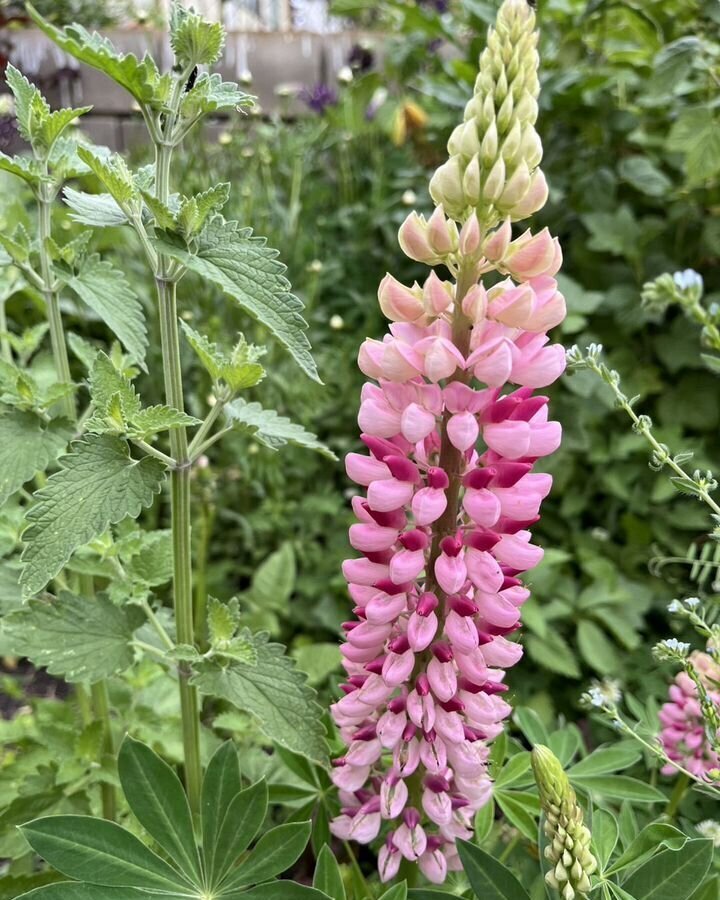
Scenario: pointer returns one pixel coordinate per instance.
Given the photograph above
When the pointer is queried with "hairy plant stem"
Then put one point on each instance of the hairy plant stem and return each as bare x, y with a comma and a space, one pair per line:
98, 691
5, 348
52, 300
180, 494
101, 708
451, 459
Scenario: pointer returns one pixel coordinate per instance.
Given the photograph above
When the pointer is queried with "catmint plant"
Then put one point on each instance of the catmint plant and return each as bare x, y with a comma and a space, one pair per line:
443, 525
88, 577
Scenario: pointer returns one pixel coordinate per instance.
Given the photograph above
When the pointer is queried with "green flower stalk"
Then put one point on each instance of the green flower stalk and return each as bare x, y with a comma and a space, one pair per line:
495, 153
568, 846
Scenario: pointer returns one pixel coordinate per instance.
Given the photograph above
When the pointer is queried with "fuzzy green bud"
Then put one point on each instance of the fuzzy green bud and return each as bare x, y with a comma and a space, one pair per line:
568, 847
495, 153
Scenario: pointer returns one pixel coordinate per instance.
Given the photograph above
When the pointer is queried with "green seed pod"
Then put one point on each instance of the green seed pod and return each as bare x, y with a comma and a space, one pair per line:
568, 847
498, 137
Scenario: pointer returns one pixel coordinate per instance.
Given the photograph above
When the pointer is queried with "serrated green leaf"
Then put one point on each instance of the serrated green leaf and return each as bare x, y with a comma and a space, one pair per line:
163, 215
85, 848
25, 94
238, 369
248, 271
53, 126
273, 691
672, 874
76, 638
154, 419
22, 167
195, 211
99, 485
271, 429
210, 94
152, 562
108, 294
139, 77
195, 41
98, 210
275, 852
209, 354
113, 173
489, 878
27, 446
157, 800
222, 620
107, 382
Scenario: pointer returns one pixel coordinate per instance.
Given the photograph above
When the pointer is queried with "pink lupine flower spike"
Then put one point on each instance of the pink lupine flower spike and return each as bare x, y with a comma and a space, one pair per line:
453, 430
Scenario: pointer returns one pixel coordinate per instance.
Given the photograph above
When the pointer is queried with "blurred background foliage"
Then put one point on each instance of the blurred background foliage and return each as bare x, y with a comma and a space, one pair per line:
629, 121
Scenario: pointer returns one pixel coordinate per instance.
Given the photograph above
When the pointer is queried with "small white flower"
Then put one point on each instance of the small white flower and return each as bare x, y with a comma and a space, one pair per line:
671, 648
345, 75
675, 607
710, 829
224, 138
336, 322
692, 602
409, 198
688, 279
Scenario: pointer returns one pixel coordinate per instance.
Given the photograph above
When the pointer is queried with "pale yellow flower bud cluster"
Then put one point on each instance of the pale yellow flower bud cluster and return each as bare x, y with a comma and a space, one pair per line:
496, 152
568, 848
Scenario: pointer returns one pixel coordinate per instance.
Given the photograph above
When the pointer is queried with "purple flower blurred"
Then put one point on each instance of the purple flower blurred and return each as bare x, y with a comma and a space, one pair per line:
319, 97
440, 5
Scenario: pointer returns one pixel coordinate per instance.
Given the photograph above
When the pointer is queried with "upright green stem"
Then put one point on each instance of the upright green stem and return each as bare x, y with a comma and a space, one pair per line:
180, 497
101, 705
679, 791
5, 349
98, 692
52, 300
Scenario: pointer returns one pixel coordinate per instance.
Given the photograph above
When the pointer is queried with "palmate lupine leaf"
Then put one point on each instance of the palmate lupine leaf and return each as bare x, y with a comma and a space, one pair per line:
73, 637
246, 269
271, 429
273, 691
99, 485
27, 445
105, 290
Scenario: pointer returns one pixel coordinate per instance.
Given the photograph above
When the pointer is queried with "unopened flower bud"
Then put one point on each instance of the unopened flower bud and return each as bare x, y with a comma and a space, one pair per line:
446, 186
471, 181
516, 188
437, 295
399, 303
495, 182
496, 245
568, 848
534, 199
442, 233
414, 240
470, 236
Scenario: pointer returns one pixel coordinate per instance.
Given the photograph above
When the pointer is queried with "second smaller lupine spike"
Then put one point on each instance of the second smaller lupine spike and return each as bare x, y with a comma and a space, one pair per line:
568, 848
